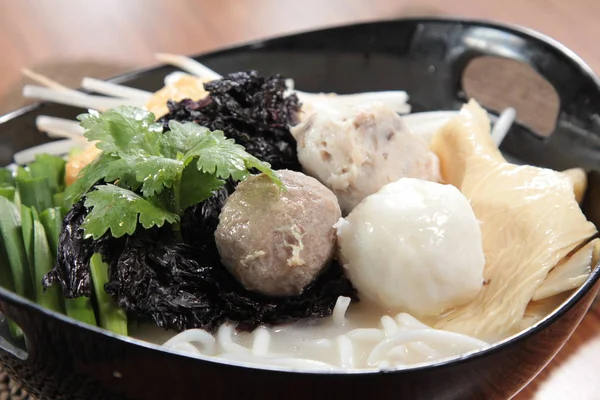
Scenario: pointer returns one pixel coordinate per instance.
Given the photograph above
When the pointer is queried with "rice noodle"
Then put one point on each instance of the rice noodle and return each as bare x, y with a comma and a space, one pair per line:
262, 337
389, 325
193, 336
345, 349
295, 363
322, 343
367, 334
397, 342
339, 311
186, 348
225, 340
115, 90
427, 351
407, 321
437, 337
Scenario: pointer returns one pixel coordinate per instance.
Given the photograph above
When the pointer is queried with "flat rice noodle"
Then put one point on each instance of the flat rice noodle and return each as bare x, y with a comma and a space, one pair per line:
530, 221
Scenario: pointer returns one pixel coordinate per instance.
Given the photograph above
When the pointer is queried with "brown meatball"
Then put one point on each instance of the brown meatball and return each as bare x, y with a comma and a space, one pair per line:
276, 242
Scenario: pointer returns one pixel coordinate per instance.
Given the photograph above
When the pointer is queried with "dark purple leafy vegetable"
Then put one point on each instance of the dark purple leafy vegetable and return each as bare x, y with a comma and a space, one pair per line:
74, 252
250, 109
200, 221
183, 285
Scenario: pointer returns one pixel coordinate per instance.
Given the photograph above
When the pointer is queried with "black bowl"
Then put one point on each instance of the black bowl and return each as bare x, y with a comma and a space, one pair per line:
64, 359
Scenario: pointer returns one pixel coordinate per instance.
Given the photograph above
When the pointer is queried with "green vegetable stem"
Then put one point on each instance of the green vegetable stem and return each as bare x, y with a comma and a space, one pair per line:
8, 192
43, 260
110, 316
6, 177
12, 238
51, 219
6, 281
81, 309
27, 231
7, 184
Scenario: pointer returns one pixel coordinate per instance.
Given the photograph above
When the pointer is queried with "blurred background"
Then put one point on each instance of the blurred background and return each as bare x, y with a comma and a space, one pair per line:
69, 39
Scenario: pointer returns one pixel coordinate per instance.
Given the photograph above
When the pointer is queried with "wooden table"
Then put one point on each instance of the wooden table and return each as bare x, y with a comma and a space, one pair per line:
70, 39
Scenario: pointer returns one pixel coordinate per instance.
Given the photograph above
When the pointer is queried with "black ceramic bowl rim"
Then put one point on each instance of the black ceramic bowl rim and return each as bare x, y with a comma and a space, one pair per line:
542, 324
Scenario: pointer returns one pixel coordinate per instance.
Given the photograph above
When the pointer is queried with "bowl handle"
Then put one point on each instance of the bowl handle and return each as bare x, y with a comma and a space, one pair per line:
578, 88
574, 81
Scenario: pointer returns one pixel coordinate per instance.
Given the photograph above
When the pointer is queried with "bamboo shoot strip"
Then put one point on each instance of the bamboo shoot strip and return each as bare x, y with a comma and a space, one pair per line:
115, 90
60, 128
82, 100
187, 64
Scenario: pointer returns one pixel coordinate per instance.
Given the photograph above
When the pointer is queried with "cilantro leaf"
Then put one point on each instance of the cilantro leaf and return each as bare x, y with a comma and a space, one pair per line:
221, 156
183, 137
130, 133
119, 209
108, 168
196, 186
265, 168
123, 130
156, 173
169, 171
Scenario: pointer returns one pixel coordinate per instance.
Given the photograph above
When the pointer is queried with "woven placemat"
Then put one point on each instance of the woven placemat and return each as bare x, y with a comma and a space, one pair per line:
496, 84
9, 389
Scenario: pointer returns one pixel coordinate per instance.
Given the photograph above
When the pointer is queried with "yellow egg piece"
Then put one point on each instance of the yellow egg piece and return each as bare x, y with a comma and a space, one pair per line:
186, 87
78, 161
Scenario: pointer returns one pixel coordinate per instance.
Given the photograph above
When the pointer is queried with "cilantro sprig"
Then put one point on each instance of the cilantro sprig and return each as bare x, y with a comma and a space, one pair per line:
151, 177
